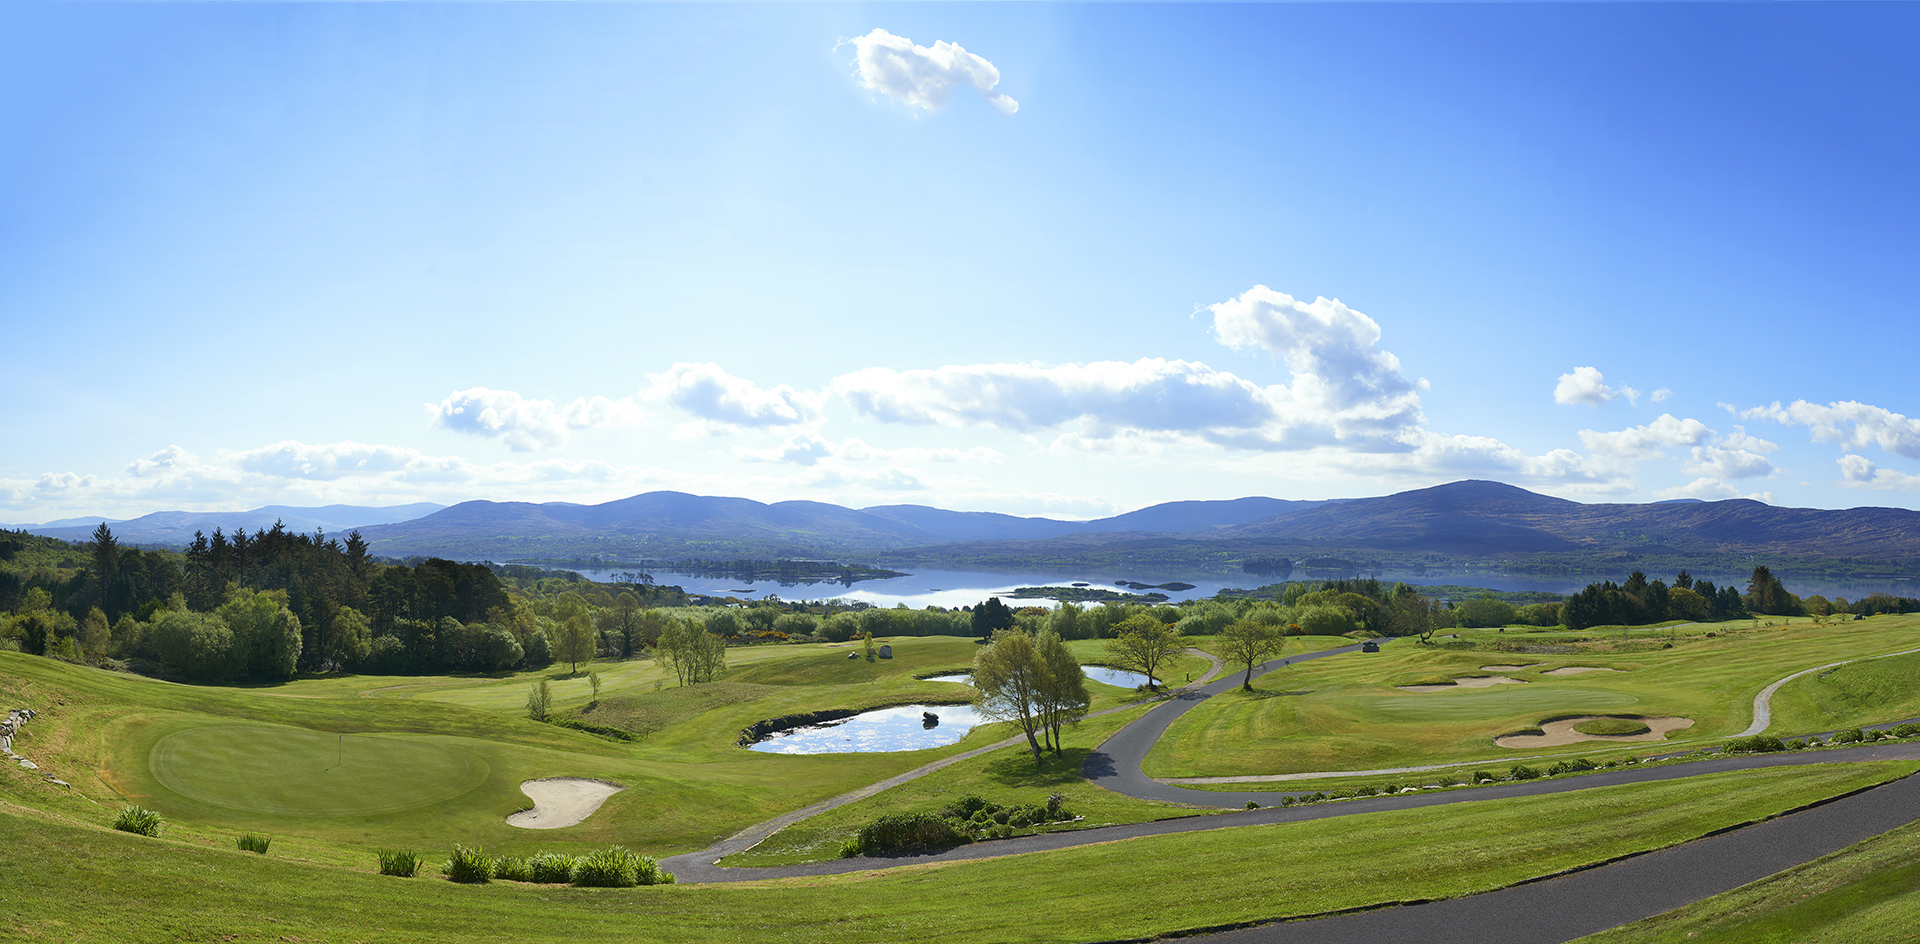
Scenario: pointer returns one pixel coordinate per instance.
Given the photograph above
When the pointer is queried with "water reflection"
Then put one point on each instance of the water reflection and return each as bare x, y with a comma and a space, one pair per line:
1099, 673
902, 728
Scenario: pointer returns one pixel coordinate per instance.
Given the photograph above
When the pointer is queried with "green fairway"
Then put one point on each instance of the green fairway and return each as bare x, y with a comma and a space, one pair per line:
1347, 713
292, 771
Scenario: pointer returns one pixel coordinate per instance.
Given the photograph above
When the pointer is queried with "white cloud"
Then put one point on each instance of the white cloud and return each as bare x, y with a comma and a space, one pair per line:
889, 479
1587, 385
1851, 424
923, 77
1150, 393
1708, 488
527, 425
1857, 471
1341, 377
1659, 396
725, 402
1647, 440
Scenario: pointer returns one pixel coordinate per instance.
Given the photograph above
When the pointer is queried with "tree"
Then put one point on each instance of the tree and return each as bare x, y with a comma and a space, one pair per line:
539, 701
1063, 697
575, 644
695, 654
1010, 679
105, 550
1142, 643
991, 616
1248, 643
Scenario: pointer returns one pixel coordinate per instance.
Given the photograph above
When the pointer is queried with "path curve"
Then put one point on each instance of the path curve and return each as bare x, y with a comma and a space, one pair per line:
754, 835
1763, 702
1546, 911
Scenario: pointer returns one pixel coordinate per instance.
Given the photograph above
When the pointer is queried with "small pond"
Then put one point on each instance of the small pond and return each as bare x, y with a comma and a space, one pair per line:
883, 729
1117, 677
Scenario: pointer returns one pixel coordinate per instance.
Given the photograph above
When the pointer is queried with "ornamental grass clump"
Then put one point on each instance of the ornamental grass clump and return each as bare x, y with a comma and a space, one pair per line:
404, 863
252, 843
512, 869
137, 820
552, 868
468, 866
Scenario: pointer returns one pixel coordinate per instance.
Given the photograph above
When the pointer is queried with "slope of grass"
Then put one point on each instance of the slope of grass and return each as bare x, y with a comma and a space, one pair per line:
1868, 893
78, 881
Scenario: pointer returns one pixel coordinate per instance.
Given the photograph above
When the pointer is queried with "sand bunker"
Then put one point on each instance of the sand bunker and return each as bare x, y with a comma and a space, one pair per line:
1576, 670
561, 801
1560, 731
1471, 681
1508, 668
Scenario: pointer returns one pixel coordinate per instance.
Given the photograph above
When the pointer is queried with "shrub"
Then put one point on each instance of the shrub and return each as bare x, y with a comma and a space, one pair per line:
401, 862
552, 868
252, 843
612, 867
1523, 772
1906, 730
1570, 766
1057, 805
1449, 780
898, 831
1481, 776
512, 869
1290, 800
1365, 791
1854, 736
469, 866
965, 807
138, 820
1253, 804
1758, 744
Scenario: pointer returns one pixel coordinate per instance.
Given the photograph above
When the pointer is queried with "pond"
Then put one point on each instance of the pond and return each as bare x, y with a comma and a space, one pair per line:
1120, 678
902, 728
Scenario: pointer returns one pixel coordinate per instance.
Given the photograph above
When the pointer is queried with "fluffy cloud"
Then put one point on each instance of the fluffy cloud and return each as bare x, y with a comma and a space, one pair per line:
1852, 424
1587, 385
1646, 441
296, 460
809, 448
1150, 393
727, 402
1860, 472
527, 425
1341, 377
922, 77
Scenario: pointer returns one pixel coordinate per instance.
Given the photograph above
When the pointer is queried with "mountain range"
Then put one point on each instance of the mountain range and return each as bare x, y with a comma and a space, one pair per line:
176, 528
1461, 521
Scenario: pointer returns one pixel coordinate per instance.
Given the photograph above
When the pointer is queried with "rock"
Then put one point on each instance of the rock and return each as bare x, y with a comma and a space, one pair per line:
30, 765
886, 652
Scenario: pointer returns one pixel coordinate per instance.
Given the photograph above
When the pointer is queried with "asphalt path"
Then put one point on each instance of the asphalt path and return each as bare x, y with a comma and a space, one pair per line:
1115, 765
1548, 911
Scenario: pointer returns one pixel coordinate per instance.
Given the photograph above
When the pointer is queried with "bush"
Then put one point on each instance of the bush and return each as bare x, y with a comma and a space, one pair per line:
1481, 776
1906, 730
252, 843
1057, 808
512, 869
552, 868
469, 866
615, 867
899, 831
1253, 804
138, 820
1854, 736
401, 862
966, 807
1570, 766
1758, 744
1523, 772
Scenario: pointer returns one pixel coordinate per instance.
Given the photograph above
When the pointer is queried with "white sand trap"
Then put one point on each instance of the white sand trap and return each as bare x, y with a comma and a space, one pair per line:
1508, 668
1576, 670
1560, 732
1471, 681
561, 801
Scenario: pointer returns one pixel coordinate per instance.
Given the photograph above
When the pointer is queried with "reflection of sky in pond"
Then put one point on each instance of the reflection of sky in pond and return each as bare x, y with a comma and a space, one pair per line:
1118, 677
1099, 673
883, 729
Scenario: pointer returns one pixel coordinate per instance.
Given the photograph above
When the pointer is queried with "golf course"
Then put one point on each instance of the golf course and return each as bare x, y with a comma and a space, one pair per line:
1380, 779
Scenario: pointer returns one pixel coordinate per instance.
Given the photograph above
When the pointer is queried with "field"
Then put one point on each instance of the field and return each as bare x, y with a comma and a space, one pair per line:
335, 768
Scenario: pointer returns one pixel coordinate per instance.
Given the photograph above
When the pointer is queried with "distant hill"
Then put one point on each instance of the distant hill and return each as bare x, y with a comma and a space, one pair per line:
177, 527
679, 524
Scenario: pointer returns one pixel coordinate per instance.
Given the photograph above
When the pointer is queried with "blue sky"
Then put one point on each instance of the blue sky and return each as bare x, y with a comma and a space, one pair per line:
1040, 259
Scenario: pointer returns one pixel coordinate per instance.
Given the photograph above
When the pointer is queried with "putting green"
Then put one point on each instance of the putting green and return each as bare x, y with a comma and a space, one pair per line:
262, 768
1488, 703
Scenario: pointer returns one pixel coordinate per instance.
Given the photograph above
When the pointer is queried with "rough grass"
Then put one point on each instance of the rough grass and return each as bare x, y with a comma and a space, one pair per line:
1851, 695
145, 890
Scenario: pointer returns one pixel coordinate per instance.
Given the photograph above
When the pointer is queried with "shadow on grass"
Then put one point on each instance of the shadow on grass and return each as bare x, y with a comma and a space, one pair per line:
1015, 770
